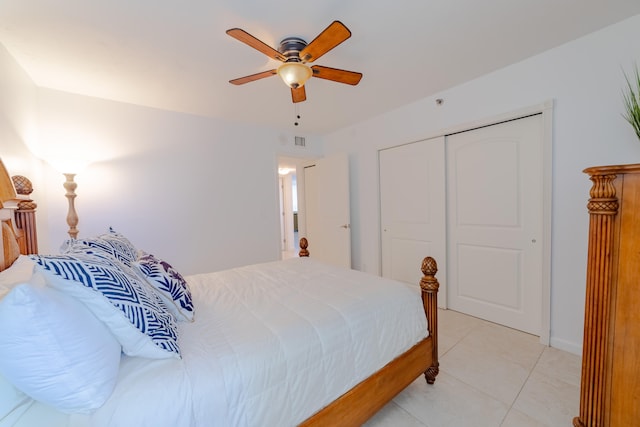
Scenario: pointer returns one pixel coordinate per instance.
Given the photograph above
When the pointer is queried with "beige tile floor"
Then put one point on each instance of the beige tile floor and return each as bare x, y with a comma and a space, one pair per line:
490, 376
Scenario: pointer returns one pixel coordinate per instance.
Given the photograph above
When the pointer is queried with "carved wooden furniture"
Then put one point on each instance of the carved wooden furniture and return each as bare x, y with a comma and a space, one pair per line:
365, 399
25, 216
610, 383
17, 211
17, 216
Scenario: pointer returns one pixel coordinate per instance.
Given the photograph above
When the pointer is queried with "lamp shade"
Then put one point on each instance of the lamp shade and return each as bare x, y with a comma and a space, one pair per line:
294, 74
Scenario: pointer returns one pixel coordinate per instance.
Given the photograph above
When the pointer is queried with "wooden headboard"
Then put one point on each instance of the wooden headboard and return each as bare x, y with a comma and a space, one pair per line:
10, 248
17, 218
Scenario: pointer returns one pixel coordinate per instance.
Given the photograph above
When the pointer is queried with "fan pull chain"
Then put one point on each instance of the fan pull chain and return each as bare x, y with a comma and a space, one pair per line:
297, 114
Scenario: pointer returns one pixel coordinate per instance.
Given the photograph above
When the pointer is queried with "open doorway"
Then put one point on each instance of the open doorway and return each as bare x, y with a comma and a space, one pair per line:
290, 215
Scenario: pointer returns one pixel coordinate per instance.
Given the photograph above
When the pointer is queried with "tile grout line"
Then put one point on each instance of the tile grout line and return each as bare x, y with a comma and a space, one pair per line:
439, 357
473, 386
510, 407
460, 340
523, 385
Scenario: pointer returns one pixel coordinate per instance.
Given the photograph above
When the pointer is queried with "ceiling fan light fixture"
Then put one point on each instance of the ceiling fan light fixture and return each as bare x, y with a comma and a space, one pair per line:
294, 74
295, 55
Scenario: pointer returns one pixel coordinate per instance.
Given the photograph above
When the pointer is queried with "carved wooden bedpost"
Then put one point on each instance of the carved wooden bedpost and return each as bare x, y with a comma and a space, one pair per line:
603, 208
429, 286
25, 216
304, 244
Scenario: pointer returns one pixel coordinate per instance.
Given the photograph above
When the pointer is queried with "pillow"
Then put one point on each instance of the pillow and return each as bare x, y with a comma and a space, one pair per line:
112, 244
170, 284
134, 313
54, 349
21, 271
12, 400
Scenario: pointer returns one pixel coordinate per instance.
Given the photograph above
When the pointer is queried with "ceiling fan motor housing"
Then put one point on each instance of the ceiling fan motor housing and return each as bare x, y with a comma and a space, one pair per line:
291, 47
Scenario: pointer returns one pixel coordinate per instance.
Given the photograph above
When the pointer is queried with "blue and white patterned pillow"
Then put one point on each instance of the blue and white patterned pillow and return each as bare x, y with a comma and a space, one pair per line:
172, 287
112, 244
134, 313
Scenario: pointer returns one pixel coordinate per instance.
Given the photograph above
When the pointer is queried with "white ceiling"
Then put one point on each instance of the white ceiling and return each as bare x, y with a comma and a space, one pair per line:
175, 55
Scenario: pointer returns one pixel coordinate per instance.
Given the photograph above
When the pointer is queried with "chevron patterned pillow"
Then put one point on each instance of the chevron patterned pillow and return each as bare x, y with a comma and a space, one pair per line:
112, 244
134, 313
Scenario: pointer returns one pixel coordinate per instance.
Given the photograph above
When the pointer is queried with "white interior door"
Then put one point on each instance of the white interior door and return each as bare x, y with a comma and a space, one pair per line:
327, 210
495, 190
413, 210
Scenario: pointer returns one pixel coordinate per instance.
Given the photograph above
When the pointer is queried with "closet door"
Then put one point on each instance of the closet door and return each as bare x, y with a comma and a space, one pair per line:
412, 210
495, 190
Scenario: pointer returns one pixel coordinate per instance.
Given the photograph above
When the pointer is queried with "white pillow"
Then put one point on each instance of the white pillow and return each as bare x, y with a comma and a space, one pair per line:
55, 350
21, 271
12, 400
115, 294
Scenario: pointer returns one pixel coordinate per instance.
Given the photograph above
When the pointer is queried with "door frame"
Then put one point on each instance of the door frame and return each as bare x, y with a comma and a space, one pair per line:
286, 212
296, 163
546, 110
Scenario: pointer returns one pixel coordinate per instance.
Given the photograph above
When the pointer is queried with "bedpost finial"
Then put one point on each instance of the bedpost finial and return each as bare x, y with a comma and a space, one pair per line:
24, 188
22, 184
304, 244
429, 266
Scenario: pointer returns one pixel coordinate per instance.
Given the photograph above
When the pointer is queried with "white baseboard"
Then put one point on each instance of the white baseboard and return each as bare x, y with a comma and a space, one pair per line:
564, 345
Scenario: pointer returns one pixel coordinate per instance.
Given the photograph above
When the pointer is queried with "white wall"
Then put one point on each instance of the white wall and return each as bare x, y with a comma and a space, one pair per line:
585, 80
199, 192
18, 123
17, 108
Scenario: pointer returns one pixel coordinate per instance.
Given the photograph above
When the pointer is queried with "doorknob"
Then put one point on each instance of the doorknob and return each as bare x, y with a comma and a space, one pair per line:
344, 226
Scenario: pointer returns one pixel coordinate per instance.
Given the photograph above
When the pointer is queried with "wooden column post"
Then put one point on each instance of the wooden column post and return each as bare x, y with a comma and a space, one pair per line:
25, 216
603, 207
429, 286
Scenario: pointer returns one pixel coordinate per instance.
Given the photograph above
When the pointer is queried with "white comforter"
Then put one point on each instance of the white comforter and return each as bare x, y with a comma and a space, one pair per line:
271, 344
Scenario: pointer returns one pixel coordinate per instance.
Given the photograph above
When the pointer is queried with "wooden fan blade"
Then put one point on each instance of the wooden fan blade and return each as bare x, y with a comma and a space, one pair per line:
298, 95
253, 77
249, 40
331, 37
336, 75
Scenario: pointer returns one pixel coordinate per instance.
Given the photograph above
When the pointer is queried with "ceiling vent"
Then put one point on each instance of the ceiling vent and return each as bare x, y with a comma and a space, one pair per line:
300, 142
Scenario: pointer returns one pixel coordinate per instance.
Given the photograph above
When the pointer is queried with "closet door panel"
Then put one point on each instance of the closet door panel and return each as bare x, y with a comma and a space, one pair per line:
494, 184
412, 210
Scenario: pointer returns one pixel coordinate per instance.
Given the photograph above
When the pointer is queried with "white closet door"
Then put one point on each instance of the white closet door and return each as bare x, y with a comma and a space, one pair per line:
495, 190
412, 210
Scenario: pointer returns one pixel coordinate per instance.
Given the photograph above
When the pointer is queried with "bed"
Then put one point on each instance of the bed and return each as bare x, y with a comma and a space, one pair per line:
292, 342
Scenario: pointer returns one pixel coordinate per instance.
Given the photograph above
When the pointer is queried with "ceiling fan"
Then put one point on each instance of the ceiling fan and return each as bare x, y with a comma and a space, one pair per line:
295, 53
